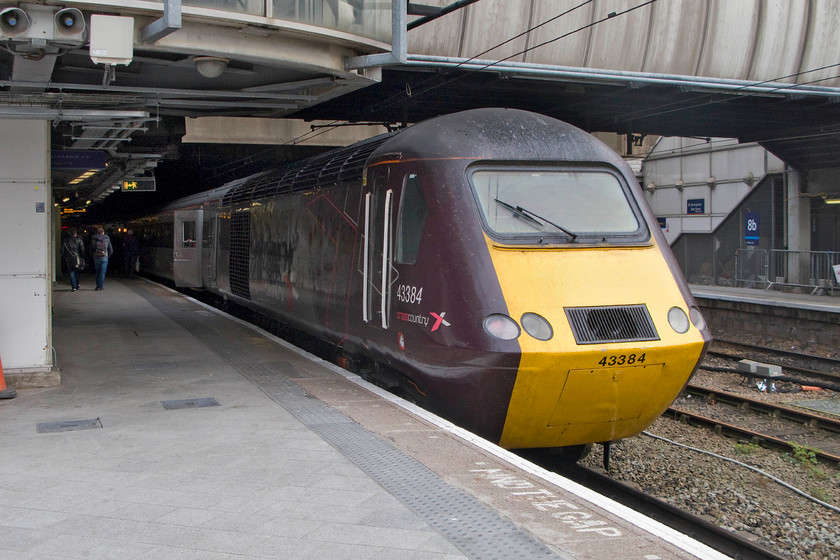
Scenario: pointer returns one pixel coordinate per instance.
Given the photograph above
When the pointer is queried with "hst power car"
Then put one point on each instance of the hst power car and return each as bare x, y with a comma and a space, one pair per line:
499, 266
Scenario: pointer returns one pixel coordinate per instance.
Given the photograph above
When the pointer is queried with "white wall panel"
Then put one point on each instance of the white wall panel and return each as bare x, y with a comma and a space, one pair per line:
25, 271
728, 47
760, 40
823, 44
780, 41
676, 37
439, 37
24, 330
571, 49
18, 159
491, 22
620, 42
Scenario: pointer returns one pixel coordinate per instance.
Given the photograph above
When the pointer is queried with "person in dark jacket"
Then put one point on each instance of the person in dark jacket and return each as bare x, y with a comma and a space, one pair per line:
73, 256
131, 250
101, 248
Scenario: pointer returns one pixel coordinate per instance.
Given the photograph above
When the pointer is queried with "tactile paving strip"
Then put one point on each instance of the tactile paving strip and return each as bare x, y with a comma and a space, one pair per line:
475, 529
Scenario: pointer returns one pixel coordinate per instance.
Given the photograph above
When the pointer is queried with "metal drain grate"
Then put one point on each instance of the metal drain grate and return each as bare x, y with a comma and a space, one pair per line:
189, 403
68, 426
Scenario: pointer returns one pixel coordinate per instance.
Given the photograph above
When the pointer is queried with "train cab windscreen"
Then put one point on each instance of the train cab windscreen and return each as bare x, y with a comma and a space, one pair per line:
551, 205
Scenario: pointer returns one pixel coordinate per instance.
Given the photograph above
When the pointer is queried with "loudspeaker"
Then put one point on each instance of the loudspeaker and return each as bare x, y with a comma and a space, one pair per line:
13, 22
69, 24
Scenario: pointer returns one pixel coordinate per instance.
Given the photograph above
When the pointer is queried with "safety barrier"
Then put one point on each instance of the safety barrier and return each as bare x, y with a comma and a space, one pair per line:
818, 271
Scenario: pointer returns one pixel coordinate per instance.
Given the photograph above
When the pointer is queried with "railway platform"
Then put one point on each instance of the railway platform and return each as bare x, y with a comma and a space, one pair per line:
178, 432
785, 316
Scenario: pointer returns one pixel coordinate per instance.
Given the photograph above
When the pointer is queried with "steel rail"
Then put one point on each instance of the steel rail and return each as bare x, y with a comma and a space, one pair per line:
813, 373
775, 410
788, 353
738, 432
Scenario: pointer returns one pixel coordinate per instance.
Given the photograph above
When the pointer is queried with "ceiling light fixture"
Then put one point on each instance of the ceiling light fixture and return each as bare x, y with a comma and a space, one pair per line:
210, 66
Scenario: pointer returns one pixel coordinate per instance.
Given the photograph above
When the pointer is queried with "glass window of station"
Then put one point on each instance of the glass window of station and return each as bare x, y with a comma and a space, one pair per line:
365, 18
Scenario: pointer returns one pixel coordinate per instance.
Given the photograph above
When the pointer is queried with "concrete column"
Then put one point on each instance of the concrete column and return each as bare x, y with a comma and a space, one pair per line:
25, 253
798, 229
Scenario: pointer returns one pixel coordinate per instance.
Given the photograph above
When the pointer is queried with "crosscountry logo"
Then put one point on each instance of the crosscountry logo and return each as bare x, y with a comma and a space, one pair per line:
439, 319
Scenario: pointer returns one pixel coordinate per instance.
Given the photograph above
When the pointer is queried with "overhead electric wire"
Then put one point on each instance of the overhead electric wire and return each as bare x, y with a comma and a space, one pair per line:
611, 15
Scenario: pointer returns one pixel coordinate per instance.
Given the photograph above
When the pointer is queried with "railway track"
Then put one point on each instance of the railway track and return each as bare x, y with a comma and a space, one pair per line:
773, 409
746, 434
770, 424
725, 541
819, 367
826, 360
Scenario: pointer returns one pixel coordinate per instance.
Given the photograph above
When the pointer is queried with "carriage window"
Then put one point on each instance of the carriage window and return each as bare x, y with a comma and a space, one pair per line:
412, 217
564, 204
189, 234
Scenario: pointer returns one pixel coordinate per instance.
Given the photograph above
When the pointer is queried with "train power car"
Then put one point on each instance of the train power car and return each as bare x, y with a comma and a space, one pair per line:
501, 266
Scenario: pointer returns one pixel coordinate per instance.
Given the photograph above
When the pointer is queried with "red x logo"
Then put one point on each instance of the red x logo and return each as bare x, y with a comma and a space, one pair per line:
439, 319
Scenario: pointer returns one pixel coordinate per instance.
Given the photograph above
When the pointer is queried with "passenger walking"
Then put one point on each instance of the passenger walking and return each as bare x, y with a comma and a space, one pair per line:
73, 255
131, 251
102, 249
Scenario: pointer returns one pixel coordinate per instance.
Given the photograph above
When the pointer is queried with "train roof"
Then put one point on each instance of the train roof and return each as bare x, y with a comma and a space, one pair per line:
484, 134
501, 134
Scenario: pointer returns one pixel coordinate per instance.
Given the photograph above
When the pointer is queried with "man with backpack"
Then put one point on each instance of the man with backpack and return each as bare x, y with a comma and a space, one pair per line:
102, 249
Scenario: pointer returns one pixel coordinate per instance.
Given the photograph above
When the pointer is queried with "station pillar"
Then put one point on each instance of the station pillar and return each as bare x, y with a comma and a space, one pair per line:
25, 253
798, 228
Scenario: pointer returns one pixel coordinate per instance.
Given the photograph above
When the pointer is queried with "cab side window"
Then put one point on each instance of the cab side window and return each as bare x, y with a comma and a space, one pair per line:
188, 235
410, 222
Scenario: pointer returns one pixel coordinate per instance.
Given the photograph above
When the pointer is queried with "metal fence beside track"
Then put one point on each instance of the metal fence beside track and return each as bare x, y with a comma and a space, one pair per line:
762, 268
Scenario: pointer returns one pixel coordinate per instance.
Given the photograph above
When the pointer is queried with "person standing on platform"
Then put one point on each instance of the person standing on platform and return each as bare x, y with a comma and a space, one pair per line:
131, 252
73, 255
102, 250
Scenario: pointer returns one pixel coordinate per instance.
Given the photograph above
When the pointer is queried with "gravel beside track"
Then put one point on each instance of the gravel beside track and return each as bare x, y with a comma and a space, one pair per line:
730, 495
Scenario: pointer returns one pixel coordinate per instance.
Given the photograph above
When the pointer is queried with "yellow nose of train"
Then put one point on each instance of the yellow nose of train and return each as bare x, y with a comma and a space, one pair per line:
621, 347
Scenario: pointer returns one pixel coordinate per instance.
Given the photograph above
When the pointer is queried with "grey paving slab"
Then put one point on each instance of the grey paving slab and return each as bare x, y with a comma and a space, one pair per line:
246, 479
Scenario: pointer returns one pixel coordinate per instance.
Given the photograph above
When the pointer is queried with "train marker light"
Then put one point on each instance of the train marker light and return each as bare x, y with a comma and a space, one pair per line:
678, 320
697, 318
501, 326
537, 326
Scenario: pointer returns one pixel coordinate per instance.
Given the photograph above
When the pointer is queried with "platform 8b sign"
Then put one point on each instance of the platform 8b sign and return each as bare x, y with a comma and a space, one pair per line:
751, 228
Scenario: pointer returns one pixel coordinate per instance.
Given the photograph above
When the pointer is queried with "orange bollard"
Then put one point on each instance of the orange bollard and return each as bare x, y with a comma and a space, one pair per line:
4, 392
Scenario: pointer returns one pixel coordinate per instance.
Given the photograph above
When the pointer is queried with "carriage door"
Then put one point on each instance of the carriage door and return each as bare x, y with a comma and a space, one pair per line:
187, 248
377, 251
209, 246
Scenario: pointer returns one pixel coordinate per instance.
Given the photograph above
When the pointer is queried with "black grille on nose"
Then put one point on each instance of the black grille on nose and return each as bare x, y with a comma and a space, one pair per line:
625, 323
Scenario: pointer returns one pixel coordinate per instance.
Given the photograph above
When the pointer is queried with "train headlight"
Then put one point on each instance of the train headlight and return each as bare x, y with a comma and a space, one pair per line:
537, 326
678, 320
697, 318
501, 326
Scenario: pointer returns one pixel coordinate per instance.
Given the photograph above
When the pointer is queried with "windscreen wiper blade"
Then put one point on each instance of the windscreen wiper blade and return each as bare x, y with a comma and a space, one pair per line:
528, 214
519, 212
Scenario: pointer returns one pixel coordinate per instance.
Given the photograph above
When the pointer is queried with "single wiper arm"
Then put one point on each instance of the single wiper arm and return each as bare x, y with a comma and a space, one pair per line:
561, 228
519, 212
